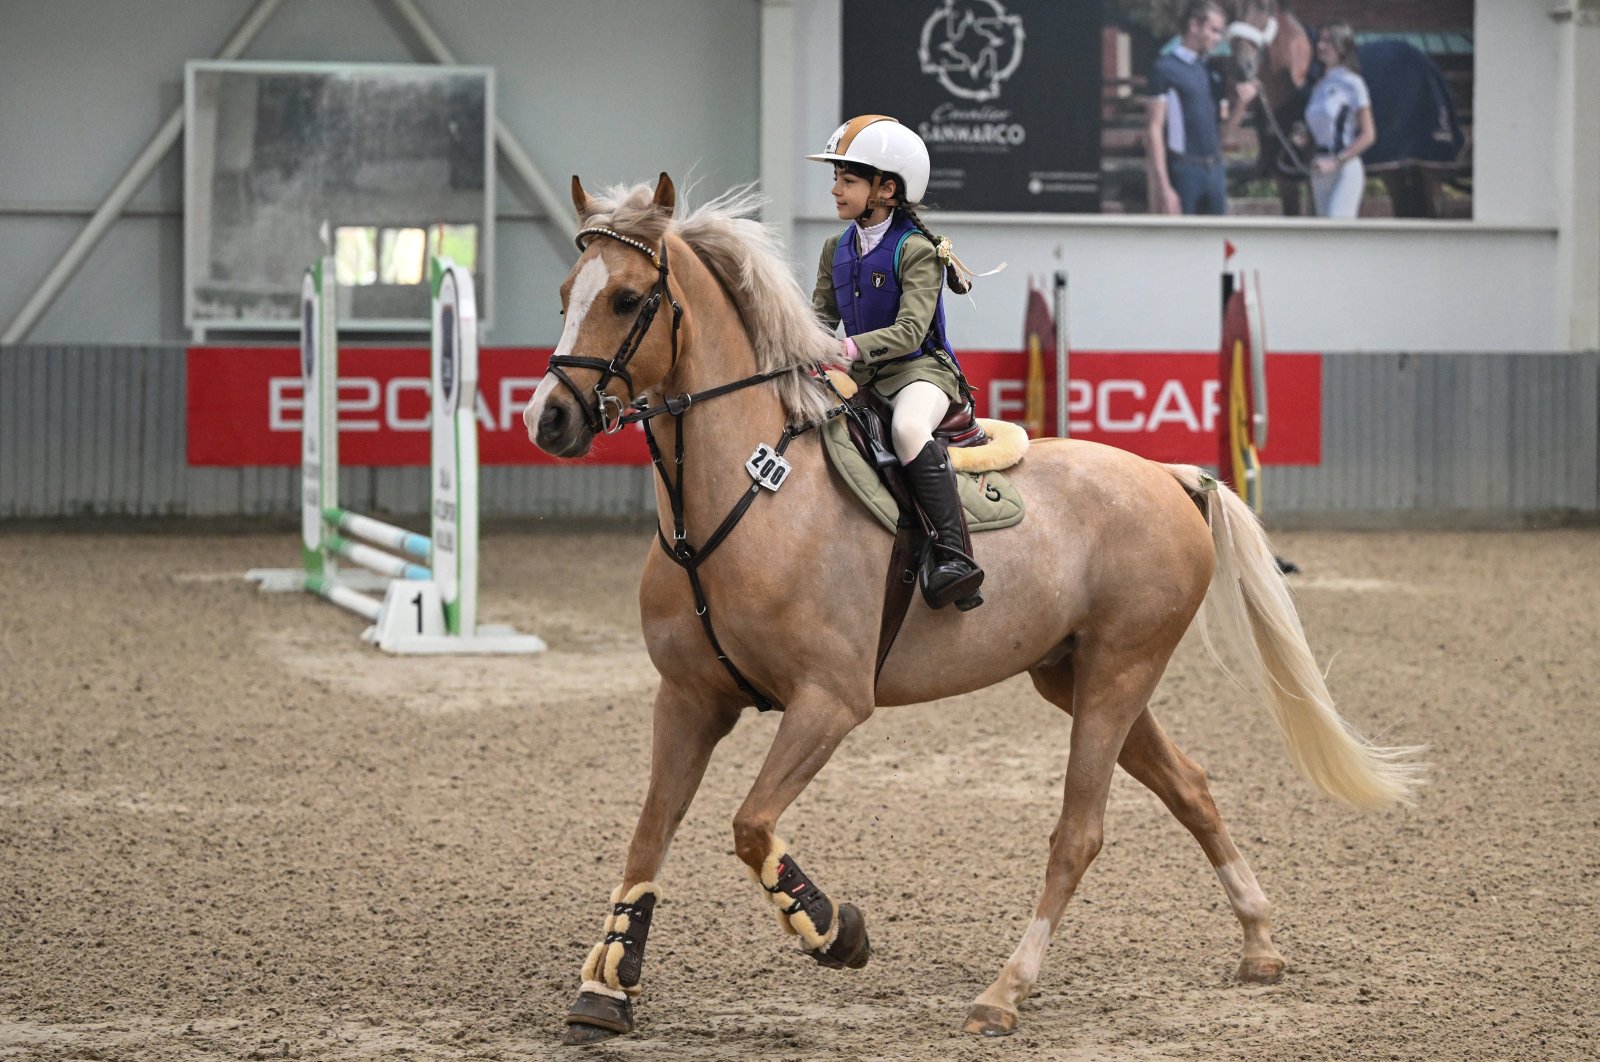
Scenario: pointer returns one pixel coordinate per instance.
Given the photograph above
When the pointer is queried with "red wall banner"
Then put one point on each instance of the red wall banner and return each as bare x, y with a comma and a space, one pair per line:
244, 405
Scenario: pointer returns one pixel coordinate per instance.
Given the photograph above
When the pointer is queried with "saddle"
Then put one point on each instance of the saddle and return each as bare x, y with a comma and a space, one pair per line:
867, 420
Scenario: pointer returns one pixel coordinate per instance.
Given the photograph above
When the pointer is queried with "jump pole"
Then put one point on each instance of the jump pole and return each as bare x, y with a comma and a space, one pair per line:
430, 581
1063, 421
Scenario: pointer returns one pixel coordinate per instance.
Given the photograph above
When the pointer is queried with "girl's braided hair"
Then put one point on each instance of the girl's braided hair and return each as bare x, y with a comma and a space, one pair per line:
955, 273
952, 273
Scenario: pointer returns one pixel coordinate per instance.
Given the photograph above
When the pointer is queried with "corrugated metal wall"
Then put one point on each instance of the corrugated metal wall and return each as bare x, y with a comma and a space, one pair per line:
1451, 433
101, 431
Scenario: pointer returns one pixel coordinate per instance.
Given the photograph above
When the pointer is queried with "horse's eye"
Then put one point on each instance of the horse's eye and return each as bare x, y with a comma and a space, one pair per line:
627, 302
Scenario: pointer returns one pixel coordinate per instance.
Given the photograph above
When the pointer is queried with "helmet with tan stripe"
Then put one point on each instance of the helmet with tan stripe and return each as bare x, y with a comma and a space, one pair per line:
878, 141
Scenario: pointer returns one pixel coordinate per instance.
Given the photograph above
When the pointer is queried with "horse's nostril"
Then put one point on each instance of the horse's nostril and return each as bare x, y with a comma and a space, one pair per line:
552, 420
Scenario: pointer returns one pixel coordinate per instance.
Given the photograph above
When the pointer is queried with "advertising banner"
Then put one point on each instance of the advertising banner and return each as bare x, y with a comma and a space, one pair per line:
1003, 92
245, 403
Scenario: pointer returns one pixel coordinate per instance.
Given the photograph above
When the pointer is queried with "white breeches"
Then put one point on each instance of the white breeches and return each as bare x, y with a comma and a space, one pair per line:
918, 409
1338, 194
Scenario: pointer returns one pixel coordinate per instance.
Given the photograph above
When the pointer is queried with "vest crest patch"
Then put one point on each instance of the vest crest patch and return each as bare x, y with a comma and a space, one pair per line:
879, 279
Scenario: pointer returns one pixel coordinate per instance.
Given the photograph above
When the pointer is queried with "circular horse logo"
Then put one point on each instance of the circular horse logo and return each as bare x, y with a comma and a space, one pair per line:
972, 47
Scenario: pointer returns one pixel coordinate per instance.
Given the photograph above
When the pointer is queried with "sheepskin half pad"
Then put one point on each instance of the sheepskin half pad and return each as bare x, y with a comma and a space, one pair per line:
990, 499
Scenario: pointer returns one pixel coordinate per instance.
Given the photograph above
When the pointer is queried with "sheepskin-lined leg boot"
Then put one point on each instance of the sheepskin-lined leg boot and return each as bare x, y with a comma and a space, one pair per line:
611, 973
834, 936
949, 574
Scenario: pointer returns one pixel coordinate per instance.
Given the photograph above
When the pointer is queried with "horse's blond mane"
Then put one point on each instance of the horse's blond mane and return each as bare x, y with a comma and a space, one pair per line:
747, 260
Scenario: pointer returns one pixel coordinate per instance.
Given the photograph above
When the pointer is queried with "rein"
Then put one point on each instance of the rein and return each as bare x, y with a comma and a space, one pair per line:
686, 556
1286, 148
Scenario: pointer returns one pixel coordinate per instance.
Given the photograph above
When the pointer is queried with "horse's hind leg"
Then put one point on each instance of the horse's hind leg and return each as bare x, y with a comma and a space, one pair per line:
1150, 756
1105, 691
685, 729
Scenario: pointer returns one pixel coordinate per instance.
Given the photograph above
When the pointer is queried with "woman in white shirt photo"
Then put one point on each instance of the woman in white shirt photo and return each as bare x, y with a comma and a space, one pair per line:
1339, 118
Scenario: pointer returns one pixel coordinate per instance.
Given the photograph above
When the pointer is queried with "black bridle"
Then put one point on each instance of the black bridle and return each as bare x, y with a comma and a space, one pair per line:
607, 415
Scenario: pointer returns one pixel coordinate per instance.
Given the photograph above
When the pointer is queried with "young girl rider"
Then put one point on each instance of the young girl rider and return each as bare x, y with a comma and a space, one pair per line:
882, 279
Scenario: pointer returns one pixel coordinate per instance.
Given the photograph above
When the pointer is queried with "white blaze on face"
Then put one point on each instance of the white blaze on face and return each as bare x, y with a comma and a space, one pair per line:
590, 282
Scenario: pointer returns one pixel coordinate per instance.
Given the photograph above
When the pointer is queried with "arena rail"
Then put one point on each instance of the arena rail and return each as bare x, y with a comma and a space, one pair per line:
429, 607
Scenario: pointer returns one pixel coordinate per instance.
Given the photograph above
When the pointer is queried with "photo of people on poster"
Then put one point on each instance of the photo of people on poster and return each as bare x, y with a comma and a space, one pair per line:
1336, 108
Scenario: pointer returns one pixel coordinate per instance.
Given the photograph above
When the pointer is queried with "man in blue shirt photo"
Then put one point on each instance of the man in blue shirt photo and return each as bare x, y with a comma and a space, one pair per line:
1183, 140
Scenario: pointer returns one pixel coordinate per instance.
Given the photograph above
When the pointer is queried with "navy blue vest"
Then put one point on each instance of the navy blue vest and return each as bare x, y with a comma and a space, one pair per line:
867, 287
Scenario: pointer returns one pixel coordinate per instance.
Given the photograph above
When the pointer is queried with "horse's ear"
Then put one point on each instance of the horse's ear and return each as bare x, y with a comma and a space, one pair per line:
580, 199
666, 195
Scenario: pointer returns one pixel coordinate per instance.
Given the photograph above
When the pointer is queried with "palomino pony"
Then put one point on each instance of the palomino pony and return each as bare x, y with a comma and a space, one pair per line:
696, 327
1419, 136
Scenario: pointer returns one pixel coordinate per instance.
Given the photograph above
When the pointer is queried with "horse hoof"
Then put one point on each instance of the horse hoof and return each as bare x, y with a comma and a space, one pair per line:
850, 948
579, 1034
1264, 971
990, 1021
595, 1017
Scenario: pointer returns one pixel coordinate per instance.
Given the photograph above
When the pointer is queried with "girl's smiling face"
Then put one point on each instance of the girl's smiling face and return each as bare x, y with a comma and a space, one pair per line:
850, 193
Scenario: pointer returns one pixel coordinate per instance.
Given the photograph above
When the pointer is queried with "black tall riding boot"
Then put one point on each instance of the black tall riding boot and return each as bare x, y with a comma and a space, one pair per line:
948, 573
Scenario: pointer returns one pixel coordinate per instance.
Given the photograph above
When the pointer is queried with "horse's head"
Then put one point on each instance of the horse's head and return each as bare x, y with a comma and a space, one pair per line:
612, 345
1250, 35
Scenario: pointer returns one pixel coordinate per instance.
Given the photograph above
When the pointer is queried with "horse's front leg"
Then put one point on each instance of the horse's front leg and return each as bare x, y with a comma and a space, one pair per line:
685, 729
814, 724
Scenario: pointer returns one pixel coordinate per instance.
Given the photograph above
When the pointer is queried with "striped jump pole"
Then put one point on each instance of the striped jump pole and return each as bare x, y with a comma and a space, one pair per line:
376, 560
386, 535
430, 582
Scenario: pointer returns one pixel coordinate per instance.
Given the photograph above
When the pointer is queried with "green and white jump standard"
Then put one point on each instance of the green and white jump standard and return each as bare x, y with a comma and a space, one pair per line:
429, 582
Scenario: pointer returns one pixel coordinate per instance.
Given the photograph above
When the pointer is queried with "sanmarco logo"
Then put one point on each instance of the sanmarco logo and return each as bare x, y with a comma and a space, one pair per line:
972, 47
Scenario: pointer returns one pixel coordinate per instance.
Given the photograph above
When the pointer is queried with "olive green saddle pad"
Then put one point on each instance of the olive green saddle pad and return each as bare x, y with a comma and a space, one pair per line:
990, 499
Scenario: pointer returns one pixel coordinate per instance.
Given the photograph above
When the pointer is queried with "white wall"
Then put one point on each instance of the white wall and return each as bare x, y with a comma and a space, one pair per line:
1144, 284
619, 89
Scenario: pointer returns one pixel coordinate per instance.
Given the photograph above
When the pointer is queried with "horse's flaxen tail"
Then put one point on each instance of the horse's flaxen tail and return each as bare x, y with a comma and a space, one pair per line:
1248, 618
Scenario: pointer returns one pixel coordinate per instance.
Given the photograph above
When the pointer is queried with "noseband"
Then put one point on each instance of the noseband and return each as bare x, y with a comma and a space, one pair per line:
605, 414
1260, 36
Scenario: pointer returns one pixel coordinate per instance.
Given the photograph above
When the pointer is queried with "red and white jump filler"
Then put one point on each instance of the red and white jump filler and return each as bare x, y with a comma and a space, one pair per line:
1242, 371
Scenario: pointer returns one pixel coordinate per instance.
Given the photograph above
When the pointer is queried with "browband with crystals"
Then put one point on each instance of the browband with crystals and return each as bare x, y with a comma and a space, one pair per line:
615, 235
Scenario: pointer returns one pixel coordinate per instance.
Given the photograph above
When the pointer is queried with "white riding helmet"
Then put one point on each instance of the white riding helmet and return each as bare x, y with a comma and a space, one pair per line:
881, 142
